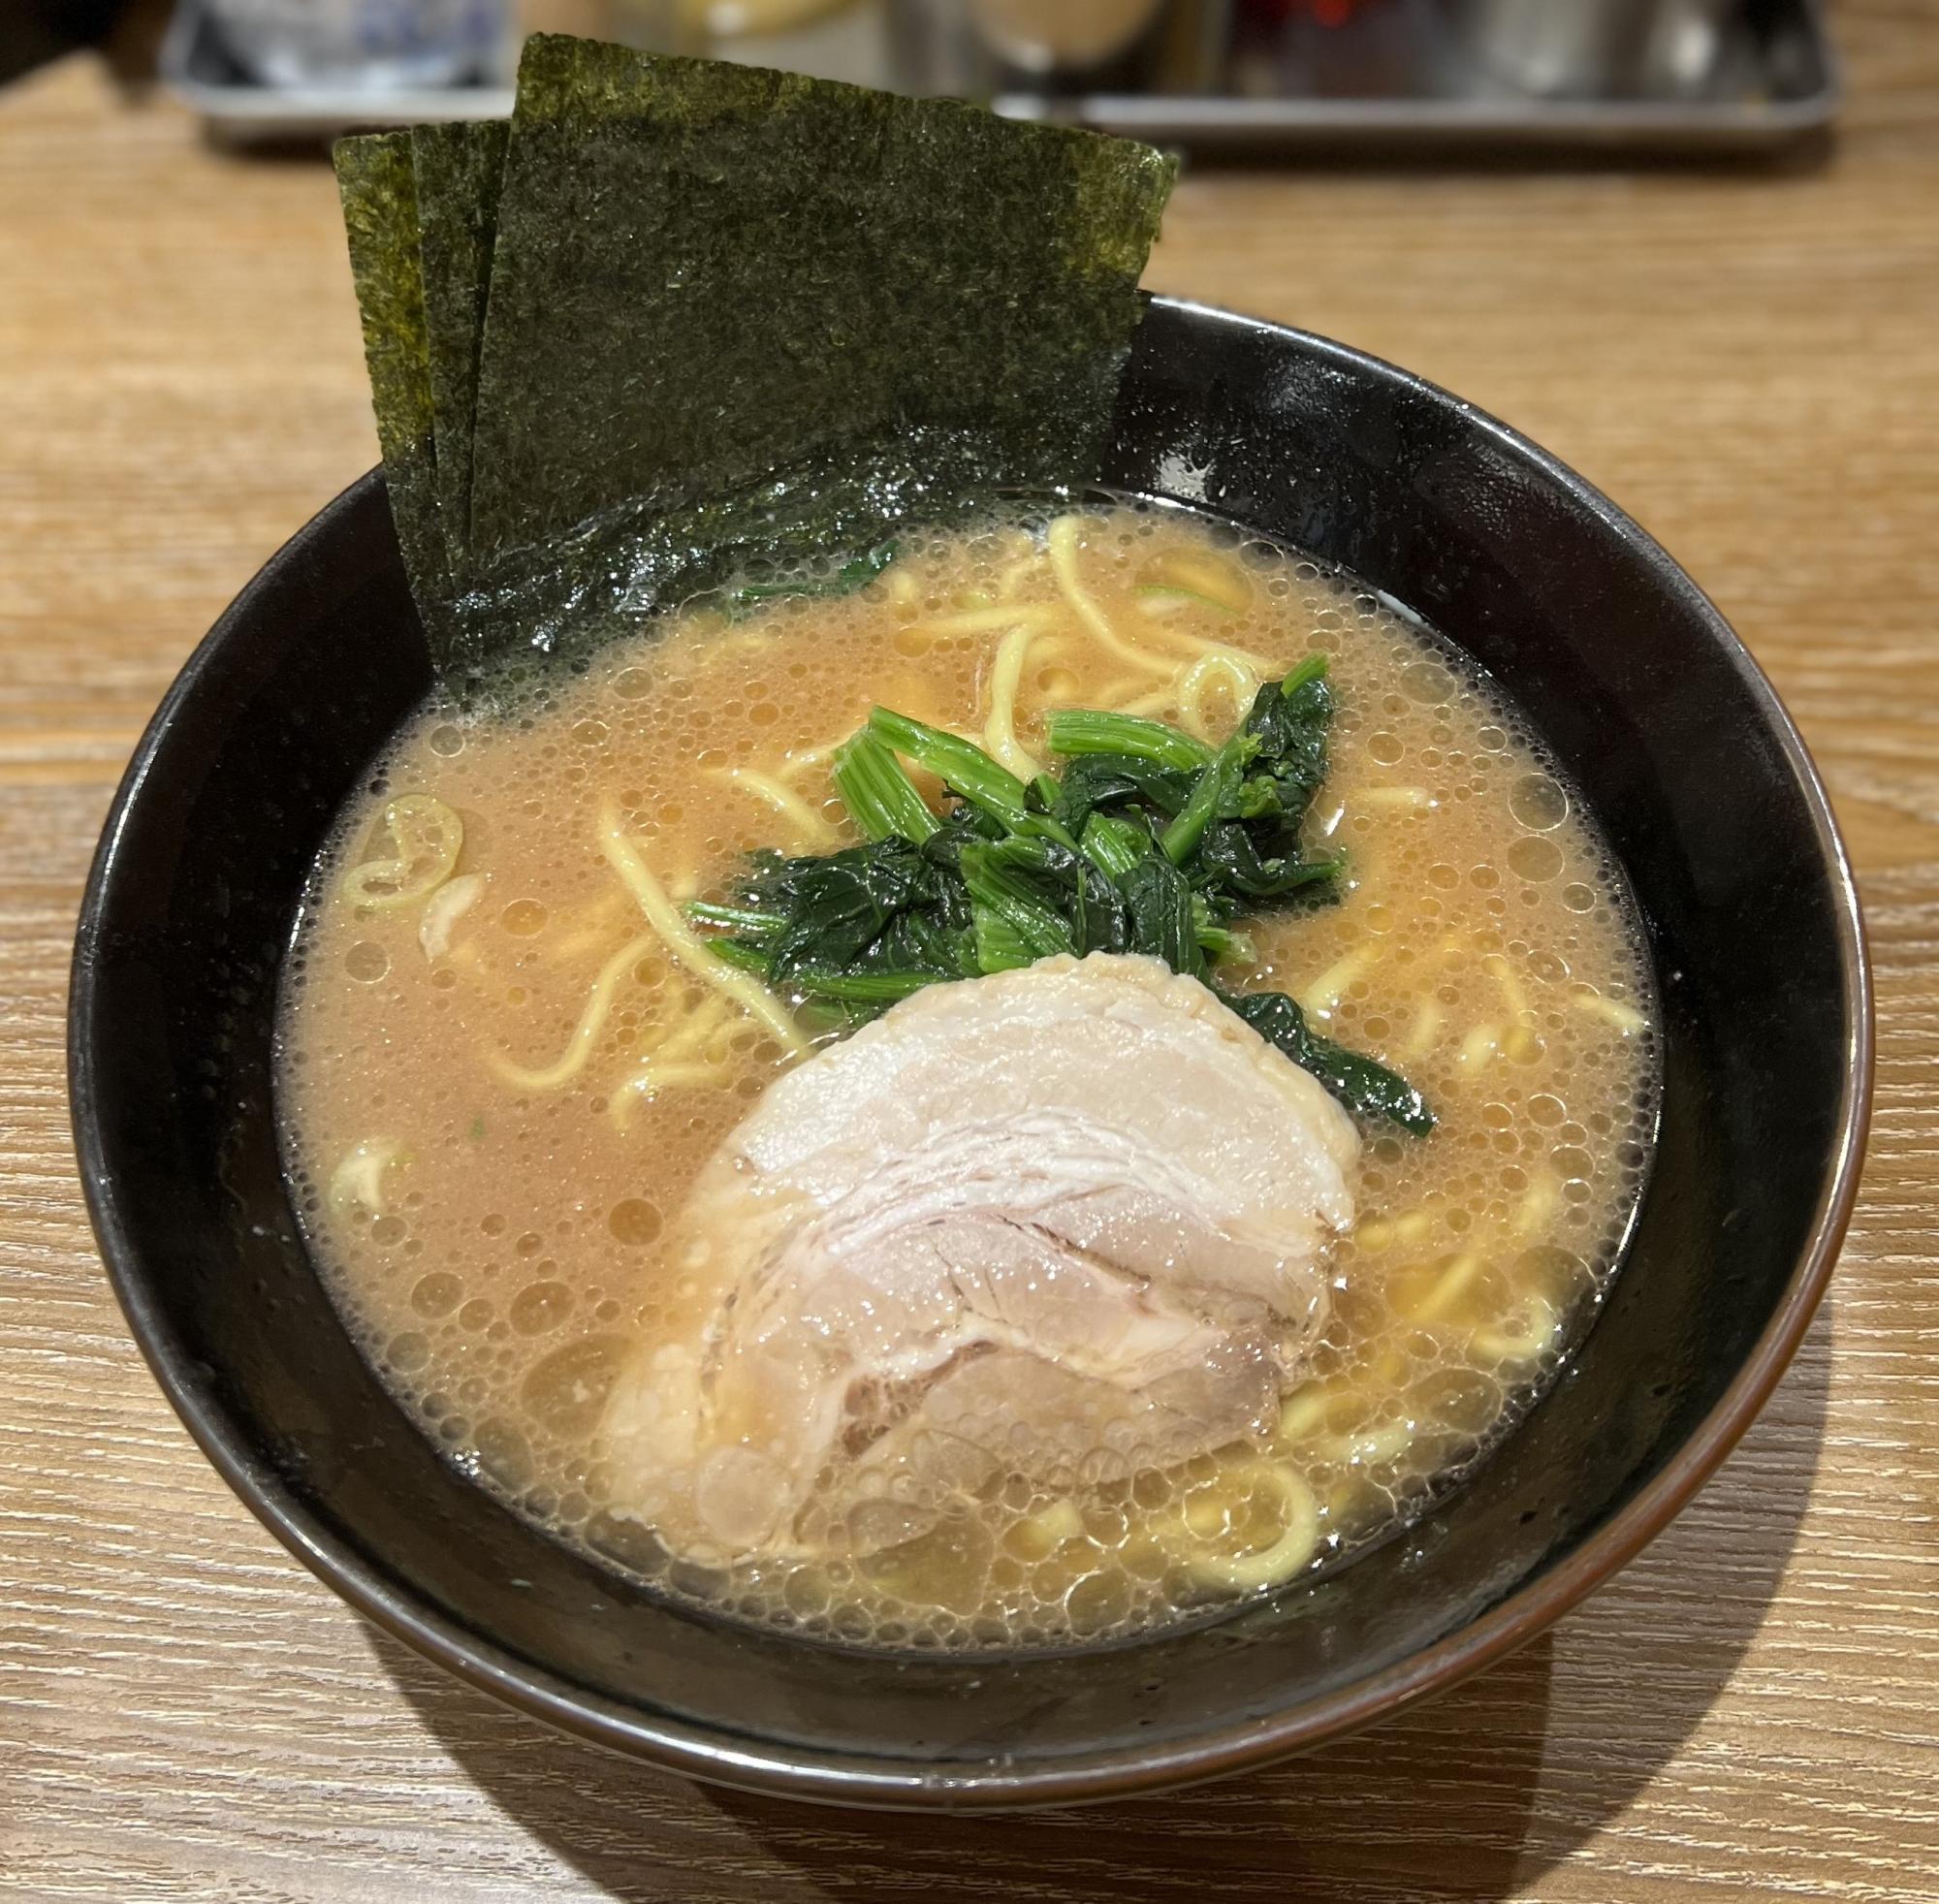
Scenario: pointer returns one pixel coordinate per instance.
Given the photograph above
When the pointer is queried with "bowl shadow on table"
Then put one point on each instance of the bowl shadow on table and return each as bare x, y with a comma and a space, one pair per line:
1469, 1796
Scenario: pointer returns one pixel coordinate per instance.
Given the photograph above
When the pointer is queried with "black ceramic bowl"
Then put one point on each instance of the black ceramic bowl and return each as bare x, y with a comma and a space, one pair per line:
1646, 696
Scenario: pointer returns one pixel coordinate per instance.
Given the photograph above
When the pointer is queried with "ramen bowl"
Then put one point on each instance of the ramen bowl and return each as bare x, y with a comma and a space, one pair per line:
1665, 726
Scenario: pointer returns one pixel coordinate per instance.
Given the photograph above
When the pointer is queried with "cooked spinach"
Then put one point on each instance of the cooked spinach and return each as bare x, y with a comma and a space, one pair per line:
1215, 793
1003, 894
844, 579
1088, 731
962, 766
881, 799
1232, 853
834, 909
1095, 781
1360, 1083
1163, 922
1150, 843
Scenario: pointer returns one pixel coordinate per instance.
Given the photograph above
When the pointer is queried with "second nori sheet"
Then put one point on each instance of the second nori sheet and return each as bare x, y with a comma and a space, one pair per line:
376, 183
455, 169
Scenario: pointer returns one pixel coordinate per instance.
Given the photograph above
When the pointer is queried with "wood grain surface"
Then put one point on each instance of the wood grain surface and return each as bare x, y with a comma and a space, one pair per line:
1748, 360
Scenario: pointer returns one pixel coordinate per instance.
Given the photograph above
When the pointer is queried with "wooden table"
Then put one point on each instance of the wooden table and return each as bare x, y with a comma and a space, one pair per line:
1749, 362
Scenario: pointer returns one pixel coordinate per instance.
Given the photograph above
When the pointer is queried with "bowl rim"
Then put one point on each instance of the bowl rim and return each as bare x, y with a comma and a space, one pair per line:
1108, 1772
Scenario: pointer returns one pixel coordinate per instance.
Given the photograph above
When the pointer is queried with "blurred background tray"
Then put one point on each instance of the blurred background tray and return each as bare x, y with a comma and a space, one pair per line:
1300, 77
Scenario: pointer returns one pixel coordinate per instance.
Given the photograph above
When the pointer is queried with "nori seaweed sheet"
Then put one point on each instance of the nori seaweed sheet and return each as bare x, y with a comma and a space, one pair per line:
457, 170
732, 321
708, 272
376, 183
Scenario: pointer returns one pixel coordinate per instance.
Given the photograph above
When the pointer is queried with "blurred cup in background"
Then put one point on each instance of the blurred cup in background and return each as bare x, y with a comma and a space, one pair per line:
374, 44
1594, 48
975, 48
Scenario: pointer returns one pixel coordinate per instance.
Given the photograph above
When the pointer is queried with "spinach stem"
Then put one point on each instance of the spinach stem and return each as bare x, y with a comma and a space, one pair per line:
987, 784
881, 799
995, 888
1114, 845
741, 918
1089, 730
1213, 789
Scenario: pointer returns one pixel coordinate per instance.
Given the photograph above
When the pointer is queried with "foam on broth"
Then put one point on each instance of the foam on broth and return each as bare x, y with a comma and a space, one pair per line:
494, 1100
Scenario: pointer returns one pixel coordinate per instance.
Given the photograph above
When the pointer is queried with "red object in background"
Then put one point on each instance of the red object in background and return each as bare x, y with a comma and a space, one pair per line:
1324, 13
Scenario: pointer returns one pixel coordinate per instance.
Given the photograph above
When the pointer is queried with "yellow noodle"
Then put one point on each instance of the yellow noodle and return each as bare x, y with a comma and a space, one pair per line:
1057, 1523
1535, 1337
1512, 989
1242, 680
1014, 572
649, 1080
1325, 992
1448, 1288
1537, 1207
796, 758
585, 1034
1295, 1546
1349, 1494
1158, 603
1209, 645
1062, 543
1623, 1017
742, 641
1371, 1446
1331, 815
1000, 731
686, 945
1302, 1411
1479, 1045
383, 884
1161, 700
595, 927
811, 829
986, 620
1415, 800
1425, 1030
1111, 697
695, 1032
1313, 1405
1207, 578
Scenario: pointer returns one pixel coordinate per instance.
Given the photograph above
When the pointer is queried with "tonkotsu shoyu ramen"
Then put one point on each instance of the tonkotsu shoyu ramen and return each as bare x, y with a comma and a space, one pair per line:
1077, 1081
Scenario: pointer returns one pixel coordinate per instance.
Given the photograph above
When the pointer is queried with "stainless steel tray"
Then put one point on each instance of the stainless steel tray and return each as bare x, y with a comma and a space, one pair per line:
1402, 77
1754, 76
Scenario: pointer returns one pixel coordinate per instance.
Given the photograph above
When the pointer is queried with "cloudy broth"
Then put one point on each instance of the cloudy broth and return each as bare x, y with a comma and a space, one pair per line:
496, 1096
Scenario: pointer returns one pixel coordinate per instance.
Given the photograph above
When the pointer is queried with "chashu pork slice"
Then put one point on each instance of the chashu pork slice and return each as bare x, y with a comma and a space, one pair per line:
1067, 1222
